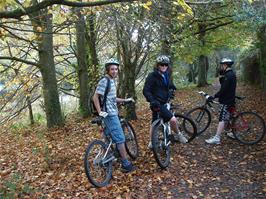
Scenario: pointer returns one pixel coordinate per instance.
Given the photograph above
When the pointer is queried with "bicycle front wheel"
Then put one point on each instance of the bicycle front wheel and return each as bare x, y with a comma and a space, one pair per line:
201, 117
98, 172
131, 143
248, 128
186, 126
160, 146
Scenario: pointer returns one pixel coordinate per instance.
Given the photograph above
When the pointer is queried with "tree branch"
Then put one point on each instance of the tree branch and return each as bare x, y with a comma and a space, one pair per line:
20, 60
16, 14
214, 27
204, 2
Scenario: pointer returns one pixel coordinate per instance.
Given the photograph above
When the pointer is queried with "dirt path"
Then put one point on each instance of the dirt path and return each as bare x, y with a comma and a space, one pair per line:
50, 164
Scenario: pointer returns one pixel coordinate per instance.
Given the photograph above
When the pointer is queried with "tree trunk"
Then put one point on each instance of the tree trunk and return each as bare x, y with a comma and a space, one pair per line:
166, 31
92, 58
30, 110
82, 68
202, 75
202, 72
262, 46
92, 41
130, 91
47, 68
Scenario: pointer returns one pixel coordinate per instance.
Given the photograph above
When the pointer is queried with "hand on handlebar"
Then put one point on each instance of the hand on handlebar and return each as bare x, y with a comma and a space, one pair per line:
210, 98
155, 106
129, 99
103, 114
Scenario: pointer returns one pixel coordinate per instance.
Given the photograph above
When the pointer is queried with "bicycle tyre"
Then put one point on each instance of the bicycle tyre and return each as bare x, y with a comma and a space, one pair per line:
159, 147
186, 126
131, 143
201, 117
97, 161
248, 128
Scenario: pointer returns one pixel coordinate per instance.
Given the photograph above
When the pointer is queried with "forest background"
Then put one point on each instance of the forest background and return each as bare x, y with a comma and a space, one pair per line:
52, 53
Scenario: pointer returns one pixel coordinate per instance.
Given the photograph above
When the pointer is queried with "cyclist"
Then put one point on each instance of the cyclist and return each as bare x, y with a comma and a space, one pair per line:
226, 96
157, 91
110, 112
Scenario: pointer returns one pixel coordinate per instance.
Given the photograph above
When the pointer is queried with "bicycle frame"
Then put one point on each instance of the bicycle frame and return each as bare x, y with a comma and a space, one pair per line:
166, 125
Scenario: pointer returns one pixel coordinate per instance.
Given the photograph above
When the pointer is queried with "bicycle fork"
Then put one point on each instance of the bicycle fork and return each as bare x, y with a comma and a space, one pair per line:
166, 130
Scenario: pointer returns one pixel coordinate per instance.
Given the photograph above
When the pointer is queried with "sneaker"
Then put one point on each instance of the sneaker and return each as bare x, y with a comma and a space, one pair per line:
230, 135
129, 168
181, 138
150, 145
214, 140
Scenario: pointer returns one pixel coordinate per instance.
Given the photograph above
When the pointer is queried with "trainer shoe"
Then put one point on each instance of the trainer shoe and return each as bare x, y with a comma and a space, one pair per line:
230, 135
214, 140
150, 145
181, 138
128, 168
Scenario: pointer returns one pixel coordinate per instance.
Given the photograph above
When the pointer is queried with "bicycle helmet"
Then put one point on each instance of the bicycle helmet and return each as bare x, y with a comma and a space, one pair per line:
162, 59
227, 61
111, 62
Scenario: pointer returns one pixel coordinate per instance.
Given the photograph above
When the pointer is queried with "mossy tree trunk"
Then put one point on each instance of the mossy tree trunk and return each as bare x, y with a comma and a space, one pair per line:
262, 47
47, 67
82, 69
203, 60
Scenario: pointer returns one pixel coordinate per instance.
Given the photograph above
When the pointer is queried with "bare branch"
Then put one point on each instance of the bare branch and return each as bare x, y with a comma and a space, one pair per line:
20, 60
16, 14
204, 2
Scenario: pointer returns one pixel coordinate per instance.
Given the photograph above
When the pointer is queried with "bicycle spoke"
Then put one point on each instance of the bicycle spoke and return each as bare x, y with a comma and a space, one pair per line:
131, 140
249, 128
98, 172
201, 118
161, 148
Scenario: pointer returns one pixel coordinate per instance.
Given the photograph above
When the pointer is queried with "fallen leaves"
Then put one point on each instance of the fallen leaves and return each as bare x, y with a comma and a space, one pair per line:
196, 170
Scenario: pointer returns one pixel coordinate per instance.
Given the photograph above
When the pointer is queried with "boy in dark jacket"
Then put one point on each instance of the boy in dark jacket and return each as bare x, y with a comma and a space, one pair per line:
157, 91
226, 96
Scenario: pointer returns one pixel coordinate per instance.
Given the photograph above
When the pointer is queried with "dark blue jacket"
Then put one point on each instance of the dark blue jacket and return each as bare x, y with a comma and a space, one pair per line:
227, 92
155, 89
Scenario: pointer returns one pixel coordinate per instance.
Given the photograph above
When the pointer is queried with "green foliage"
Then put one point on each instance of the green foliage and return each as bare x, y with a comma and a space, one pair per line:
13, 188
17, 126
39, 118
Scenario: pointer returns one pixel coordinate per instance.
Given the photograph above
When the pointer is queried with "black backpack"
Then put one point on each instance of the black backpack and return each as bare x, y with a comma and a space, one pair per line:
103, 101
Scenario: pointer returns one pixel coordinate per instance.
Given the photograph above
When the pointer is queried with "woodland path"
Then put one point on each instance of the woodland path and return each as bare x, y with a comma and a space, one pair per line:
50, 163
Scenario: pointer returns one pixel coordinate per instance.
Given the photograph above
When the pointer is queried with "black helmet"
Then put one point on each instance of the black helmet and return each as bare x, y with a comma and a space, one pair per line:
227, 61
162, 59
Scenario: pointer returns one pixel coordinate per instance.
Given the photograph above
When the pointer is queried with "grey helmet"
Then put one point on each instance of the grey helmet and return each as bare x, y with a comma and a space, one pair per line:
163, 59
227, 61
111, 62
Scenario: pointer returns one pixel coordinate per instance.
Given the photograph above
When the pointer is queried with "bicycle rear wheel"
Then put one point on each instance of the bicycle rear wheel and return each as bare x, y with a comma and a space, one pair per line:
186, 126
98, 172
160, 146
248, 128
201, 117
131, 143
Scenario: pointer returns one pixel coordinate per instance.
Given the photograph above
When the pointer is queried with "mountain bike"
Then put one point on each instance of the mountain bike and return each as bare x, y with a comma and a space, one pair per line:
162, 136
100, 154
247, 127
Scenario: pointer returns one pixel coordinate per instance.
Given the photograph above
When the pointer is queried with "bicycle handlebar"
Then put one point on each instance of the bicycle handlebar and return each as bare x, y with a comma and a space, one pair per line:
98, 120
206, 96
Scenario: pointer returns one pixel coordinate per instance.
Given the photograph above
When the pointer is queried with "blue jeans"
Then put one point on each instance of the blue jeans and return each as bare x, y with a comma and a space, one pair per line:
114, 129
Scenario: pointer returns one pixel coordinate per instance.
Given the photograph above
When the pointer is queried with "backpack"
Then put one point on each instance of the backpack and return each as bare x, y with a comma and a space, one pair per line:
103, 101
